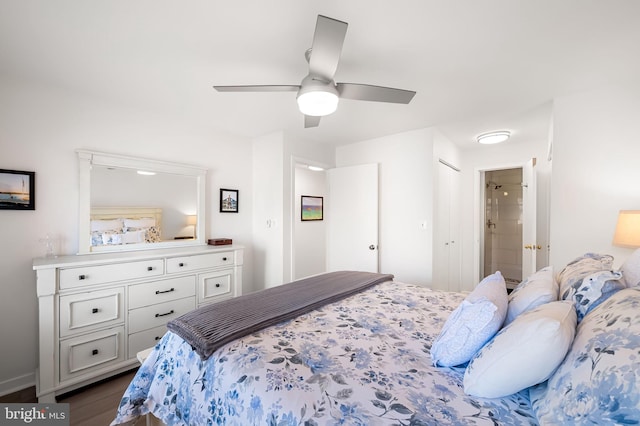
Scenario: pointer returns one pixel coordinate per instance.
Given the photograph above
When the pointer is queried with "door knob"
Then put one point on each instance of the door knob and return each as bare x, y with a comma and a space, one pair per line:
372, 247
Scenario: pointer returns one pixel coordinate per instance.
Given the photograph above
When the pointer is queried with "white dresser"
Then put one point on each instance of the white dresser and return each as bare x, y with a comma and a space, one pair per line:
97, 311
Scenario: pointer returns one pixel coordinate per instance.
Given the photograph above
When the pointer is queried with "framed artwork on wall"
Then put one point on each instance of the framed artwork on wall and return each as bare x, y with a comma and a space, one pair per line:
17, 190
229, 200
311, 208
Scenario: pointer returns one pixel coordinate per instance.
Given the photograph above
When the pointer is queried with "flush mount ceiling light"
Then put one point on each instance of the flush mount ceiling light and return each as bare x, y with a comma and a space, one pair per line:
493, 137
315, 168
146, 173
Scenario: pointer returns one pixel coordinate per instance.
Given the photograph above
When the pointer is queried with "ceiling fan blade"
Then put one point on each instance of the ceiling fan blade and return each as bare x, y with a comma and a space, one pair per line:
311, 121
327, 47
366, 92
257, 88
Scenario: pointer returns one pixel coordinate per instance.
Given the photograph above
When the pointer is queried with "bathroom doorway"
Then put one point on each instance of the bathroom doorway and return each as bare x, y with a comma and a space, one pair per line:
503, 224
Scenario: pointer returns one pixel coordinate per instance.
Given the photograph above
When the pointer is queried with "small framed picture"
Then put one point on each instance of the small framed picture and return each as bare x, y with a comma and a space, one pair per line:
311, 208
228, 200
17, 190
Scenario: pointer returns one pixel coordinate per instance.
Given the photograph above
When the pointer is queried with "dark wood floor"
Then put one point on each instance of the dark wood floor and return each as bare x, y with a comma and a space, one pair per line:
93, 405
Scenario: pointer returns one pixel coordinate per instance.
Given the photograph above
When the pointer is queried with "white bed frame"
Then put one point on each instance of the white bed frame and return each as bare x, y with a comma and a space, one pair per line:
106, 213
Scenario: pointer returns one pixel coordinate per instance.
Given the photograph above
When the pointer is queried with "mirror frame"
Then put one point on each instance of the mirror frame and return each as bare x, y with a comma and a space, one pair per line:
86, 159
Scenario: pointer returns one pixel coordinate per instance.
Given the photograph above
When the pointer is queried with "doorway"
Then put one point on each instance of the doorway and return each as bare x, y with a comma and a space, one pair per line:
503, 224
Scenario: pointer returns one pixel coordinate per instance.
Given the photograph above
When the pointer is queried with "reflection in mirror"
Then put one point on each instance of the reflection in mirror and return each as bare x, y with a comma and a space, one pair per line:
129, 203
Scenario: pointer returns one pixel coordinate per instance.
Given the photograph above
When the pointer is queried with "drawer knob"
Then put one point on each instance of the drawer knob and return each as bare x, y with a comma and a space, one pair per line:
165, 291
94, 352
149, 268
217, 285
82, 277
224, 259
165, 314
181, 264
94, 310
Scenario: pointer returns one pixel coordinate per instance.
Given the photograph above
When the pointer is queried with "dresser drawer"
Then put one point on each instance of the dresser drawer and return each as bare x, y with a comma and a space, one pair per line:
161, 291
215, 286
199, 261
144, 340
87, 311
96, 350
100, 274
156, 315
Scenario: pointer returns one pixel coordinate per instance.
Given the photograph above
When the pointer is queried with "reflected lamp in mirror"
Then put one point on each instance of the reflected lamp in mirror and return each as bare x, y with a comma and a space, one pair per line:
192, 220
627, 229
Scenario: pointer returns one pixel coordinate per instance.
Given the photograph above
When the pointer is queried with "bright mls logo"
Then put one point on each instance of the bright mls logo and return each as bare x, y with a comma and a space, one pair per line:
36, 414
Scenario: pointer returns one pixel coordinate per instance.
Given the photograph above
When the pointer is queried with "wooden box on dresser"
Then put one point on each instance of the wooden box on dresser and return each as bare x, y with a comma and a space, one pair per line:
96, 311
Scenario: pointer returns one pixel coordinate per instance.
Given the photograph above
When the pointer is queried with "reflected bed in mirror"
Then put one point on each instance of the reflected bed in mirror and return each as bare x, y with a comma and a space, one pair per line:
112, 226
129, 203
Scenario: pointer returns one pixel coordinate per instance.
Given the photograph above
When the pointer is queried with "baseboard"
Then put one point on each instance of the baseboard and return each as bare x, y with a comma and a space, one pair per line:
17, 384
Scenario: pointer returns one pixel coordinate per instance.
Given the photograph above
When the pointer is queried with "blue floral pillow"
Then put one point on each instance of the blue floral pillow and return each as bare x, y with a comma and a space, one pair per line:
598, 381
593, 290
579, 268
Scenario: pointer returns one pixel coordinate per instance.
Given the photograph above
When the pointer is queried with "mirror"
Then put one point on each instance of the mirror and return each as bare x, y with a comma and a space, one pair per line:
129, 203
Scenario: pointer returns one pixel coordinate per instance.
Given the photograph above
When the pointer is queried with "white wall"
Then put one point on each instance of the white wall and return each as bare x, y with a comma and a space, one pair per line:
596, 170
309, 252
275, 156
268, 199
490, 157
405, 186
40, 129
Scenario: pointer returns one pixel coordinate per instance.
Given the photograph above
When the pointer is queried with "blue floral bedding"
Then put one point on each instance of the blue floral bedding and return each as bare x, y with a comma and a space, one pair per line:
362, 361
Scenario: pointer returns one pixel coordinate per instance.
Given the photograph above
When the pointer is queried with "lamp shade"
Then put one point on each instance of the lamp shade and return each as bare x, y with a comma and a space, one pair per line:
192, 219
627, 229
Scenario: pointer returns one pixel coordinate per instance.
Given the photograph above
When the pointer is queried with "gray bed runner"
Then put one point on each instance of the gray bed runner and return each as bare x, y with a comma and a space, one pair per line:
212, 326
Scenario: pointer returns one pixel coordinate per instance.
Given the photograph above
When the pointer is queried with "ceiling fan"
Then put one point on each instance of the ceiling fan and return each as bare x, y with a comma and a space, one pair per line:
318, 94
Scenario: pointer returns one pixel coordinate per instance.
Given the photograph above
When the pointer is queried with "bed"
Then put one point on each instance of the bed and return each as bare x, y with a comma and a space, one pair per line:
375, 357
111, 226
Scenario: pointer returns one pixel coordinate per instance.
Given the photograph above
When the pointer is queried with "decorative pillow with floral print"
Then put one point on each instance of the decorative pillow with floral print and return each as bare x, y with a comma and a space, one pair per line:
598, 383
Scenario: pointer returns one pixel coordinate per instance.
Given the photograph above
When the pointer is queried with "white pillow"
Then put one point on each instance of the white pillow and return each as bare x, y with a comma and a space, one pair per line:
106, 225
631, 270
134, 237
472, 324
536, 290
524, 353
144, 222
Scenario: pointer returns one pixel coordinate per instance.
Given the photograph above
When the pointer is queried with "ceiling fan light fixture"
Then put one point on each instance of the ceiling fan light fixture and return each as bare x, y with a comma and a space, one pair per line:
493, 137
317, 102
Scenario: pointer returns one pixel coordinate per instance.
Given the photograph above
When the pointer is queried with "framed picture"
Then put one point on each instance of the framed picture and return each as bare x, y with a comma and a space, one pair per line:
311, 208
17, 190
228, 200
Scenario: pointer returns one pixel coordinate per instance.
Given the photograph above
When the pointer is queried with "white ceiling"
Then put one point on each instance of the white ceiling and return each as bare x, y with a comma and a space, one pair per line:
477, 65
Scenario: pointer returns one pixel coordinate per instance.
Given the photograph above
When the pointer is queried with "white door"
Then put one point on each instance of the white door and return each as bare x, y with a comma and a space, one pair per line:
352, 218
529, 237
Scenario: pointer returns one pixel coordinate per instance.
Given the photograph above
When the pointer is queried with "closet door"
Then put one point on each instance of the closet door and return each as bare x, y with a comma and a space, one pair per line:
446, 230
